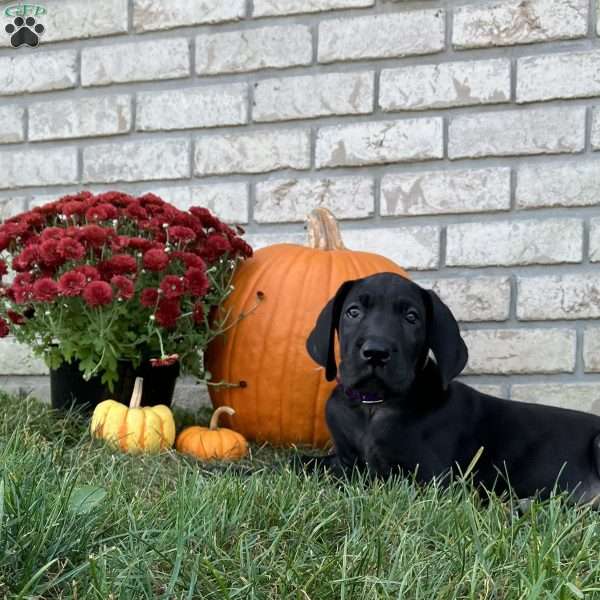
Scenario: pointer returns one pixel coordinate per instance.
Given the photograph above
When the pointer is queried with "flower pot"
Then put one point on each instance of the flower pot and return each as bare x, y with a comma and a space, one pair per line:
67, 386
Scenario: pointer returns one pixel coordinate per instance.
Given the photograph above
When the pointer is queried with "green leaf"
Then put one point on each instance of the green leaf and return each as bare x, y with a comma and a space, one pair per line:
575, 590
85, 498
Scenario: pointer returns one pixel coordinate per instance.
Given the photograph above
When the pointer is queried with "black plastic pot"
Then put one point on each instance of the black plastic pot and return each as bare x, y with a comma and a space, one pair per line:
68, 388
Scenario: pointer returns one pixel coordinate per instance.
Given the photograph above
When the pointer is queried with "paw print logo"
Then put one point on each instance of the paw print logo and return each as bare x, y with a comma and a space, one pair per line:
24, 32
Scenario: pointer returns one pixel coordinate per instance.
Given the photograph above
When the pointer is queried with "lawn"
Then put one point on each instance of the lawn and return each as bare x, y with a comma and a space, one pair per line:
77, 521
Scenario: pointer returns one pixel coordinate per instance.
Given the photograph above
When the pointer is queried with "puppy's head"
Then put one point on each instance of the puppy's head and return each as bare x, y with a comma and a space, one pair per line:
386, 324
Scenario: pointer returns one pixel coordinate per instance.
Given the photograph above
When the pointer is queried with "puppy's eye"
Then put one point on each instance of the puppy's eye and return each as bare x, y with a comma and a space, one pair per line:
412, 316
353, 312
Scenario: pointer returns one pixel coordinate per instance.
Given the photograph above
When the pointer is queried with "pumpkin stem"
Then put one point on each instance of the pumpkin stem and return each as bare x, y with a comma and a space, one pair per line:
323, 230
136, 396
214, 421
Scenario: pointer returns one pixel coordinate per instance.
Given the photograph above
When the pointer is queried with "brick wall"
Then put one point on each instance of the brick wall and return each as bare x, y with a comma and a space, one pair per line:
458, 138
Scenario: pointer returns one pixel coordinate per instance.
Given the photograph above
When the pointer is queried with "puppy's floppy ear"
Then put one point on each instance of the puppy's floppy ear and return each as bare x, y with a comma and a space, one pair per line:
321, 341
444, 339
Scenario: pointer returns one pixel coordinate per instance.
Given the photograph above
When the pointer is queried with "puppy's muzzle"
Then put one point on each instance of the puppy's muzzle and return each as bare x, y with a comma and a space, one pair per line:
375, 353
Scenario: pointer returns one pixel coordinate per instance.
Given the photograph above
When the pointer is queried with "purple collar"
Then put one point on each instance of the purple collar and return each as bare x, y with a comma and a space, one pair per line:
364, 397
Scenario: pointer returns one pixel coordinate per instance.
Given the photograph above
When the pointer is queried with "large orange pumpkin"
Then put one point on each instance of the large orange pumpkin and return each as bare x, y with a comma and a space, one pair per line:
280, 292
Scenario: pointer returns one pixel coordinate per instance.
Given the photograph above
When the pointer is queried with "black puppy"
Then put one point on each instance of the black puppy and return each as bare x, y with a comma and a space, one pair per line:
397, 410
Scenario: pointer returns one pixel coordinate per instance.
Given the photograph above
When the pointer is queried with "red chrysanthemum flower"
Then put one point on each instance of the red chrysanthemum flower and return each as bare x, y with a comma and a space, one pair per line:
45, 290
73, 208
156, 260
24, 261
22, 279
15, 317
97, 293
52, 233
205, 216
71, 249
198, 313
138, 243
218, 244
90, 273
149, 297
179, 233
50, 254
122, 263
94, 235
189, 259
124, 287
168, 313
4, 241
3, 268
197, 281
173, 287
136, 211
4, 329
242, 247
166, 361
72, 283
150, 200
21, 293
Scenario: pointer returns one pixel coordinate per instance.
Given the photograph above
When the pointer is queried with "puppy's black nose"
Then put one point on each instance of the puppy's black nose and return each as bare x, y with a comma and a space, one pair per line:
375, 353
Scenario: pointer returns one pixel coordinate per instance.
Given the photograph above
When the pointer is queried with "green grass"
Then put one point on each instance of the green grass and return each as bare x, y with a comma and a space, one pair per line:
77, 521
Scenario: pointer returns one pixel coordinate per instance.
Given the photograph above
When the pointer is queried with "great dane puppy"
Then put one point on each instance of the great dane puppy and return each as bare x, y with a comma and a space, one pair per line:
395, 409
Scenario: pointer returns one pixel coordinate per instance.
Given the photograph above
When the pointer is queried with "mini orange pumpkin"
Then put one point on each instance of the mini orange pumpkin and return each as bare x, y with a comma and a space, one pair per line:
283, 394
213, 442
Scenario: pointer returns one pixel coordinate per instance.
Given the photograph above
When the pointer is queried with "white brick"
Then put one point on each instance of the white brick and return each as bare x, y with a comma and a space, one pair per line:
591, 350
439, 192
518, 351
84, 117
137, 161
252, 49
410, 247
9, 207
137, 61
262, 240
569, 75
22, 386
149, 15
550, 297
379, 142
382, 36
255, 152
568, 184
17, 359
514, 132
29, 73
228, 201
595, 240
596, 128
485, 388
206, 106
547, 241
281, 200
313, 96
11, 124
519, 22
268, 8
574, 396
473, 298
50, 166
79, 19
445, 84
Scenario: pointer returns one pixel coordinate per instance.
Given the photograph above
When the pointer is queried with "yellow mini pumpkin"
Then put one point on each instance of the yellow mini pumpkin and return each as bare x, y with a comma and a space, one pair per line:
134, 429
212, 442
